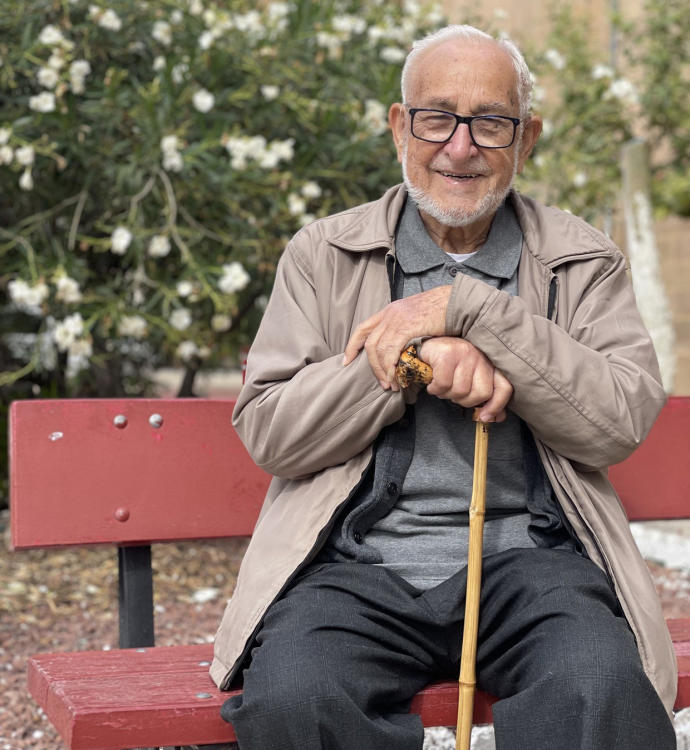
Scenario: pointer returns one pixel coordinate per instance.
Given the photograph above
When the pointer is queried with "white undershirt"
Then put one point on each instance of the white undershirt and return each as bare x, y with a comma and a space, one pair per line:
461, 257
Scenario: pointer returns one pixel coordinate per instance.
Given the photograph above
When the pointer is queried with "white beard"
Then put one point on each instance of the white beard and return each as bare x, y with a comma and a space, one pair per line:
457, 217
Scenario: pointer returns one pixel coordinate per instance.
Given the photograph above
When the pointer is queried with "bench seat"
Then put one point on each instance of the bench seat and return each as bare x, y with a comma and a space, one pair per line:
108, 700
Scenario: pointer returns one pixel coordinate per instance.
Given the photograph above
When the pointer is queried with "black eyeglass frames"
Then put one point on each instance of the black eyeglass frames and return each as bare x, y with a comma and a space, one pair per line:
486, 131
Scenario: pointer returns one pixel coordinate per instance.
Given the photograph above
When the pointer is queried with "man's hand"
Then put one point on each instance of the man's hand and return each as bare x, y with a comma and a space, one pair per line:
384, 335
465, 376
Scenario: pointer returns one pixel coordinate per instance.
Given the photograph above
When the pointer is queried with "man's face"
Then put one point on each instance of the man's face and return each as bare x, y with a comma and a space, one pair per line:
458, 183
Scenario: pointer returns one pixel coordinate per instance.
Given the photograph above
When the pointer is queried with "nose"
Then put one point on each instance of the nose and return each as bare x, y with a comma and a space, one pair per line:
461, 144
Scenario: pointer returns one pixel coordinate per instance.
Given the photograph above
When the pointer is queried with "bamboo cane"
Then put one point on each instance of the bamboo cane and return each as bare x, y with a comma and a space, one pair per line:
410, 370
468, 679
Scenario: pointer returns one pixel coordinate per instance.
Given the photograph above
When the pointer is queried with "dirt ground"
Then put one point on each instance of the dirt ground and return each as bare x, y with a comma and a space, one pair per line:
55, 600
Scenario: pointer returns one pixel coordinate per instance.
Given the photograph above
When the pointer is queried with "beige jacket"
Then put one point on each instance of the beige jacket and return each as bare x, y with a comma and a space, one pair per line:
587, 384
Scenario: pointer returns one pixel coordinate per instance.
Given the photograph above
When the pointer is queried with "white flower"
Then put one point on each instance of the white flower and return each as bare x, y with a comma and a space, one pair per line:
25, 155
311, 190
68, 331
158, 63
547, 128
278, 11
120, 240
332, 42
43, 102
26, 181
234, 278
270, 92
602, 71
177, 16
203, 100
56, 59
50, 35
132, 325
555, 58
184, 288
348, 24
181, 319
162, 32
27, 297
6, 154
249, 22
106, 19
170, 143
196, 7
5, 134
305, 219
47, 77
283, 149
296, 204
206, 39
580, 179
221, 322
187, 350
179, 72
375, 117
159, 246
392, 54
172, 161
78, 71
623, 90
67, 290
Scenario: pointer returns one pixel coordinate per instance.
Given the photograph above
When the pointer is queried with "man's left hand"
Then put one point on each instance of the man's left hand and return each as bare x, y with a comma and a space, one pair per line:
384, 335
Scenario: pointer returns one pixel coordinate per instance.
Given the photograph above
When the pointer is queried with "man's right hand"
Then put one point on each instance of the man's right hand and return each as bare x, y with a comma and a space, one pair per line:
465, 376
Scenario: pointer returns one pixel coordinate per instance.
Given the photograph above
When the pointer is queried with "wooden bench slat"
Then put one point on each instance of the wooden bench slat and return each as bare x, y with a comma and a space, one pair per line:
105, 700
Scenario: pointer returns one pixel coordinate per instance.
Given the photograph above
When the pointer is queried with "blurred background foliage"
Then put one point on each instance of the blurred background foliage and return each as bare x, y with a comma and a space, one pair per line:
156, 156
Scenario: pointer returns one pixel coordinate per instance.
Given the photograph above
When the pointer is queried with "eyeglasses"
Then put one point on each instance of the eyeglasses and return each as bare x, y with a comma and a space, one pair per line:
486, 131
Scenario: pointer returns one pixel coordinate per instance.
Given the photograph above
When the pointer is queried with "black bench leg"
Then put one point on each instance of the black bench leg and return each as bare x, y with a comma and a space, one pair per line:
136, 596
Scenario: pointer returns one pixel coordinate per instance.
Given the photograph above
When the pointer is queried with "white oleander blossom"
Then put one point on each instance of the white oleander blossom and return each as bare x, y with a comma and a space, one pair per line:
203, 101
50, 35
162, 32
393, 54
172, 158
602, 71
78, 357
221, 322
6, 154
78, 71
555, 58
184, 288
333, 43
5, 135
26, 181
105, 18
242, 149
132, 325
47, 77
120, 240
234, 278
67, 331
25, 155
311, 189
67, 290
375, 119
580, 179
56, 59
349, 24
181, 319
196, 7
187, 350
623, 90
270, 93
26, 297
43, 102
296, 204
159, 246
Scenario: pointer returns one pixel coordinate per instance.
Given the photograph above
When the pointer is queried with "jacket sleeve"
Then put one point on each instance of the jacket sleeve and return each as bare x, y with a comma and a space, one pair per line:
588, 385
300, 410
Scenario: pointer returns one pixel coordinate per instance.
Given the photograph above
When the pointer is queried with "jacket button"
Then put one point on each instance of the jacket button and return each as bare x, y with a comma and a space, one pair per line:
453, 270
392, 488
358, 537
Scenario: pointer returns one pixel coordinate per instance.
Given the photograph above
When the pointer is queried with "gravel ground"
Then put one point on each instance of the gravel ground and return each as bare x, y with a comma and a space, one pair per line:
54, 600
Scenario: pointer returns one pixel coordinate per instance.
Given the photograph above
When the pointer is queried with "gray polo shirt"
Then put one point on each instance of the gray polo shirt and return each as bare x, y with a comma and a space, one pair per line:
410, 514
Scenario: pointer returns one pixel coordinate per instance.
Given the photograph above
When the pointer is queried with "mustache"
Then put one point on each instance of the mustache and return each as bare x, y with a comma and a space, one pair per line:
470, 168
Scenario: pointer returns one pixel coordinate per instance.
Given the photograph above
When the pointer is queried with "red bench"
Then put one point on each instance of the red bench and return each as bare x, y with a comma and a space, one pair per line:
131, 472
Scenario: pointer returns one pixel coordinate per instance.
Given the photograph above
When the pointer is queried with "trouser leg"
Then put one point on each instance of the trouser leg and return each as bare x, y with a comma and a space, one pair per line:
556, 647
335, 665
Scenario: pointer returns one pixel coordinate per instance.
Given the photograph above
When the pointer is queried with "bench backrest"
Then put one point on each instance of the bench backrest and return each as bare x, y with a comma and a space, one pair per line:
136, 471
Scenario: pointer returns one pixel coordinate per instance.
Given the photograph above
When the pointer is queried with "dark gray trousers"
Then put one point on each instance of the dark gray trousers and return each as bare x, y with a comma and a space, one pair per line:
340, 655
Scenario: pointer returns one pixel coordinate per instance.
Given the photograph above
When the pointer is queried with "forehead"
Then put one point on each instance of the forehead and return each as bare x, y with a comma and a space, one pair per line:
466, 76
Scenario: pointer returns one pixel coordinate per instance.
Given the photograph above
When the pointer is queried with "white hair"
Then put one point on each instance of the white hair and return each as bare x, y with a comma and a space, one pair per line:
472, 34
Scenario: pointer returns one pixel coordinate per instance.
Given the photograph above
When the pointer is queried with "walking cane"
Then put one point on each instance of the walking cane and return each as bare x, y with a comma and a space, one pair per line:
412, 370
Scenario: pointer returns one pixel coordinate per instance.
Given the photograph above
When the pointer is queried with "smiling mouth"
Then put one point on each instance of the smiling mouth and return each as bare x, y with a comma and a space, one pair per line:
456, 176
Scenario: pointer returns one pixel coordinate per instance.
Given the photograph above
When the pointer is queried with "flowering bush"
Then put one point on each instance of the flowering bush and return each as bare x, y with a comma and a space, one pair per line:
158, 156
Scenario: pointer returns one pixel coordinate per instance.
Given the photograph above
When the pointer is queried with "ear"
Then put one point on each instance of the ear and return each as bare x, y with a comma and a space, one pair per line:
396, 120
530, 136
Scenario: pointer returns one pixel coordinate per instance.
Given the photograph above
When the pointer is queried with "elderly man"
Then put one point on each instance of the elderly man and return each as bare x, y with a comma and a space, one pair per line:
351, 595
